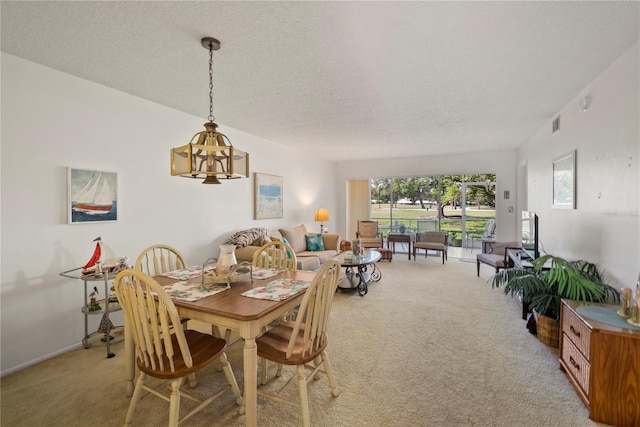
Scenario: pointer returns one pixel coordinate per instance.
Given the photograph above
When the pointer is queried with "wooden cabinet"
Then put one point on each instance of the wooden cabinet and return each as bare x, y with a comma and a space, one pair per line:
603, 364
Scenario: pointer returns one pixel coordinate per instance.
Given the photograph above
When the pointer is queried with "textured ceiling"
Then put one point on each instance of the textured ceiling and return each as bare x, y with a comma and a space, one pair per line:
344, 80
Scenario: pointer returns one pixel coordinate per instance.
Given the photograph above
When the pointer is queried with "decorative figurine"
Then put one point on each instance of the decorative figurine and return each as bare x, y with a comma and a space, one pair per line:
93, 265
356, 247
93, 304
635, 314
625, 297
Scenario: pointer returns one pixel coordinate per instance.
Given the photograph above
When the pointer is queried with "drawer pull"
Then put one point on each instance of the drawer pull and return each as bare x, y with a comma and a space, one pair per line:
573, 363
574, 331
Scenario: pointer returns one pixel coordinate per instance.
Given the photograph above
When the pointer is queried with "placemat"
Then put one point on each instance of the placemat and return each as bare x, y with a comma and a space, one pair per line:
605, 315
192, 291
264, 273
278, 290
184, 274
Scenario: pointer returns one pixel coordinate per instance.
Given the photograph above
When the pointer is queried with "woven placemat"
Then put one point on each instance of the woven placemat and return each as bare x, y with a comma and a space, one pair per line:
605, 315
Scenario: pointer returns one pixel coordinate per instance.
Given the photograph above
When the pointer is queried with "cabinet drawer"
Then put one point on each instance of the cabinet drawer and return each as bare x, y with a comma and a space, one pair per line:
577, 365
577, 331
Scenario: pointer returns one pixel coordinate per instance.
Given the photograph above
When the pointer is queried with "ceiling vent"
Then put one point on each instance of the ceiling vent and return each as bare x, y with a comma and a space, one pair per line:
555, 126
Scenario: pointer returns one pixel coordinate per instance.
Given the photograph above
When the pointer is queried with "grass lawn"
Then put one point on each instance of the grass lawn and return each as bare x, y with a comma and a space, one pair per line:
409, 215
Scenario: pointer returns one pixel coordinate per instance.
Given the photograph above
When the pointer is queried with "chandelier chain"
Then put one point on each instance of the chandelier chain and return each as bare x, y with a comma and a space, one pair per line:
211, 116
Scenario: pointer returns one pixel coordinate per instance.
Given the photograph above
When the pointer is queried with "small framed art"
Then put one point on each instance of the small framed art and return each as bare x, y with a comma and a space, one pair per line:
268, 196
564, 181
92, 196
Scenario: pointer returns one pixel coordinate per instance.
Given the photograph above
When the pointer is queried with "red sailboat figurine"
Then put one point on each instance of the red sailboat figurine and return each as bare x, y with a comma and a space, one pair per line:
93, 265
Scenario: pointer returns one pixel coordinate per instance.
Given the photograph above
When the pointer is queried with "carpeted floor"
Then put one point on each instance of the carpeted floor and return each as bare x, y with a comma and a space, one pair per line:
429, 345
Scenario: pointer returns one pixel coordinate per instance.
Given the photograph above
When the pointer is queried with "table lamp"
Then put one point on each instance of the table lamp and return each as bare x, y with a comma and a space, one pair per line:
322, 215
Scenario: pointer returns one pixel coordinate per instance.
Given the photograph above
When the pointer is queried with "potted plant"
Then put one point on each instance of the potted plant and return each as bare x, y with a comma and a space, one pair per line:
549, 281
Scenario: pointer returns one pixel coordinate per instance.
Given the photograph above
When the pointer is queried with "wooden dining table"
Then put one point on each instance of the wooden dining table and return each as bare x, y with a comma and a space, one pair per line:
230, 309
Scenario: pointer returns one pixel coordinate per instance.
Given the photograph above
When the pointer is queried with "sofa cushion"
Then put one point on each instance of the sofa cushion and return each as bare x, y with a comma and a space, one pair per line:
296, 237
308, 263
314, 242
323, 256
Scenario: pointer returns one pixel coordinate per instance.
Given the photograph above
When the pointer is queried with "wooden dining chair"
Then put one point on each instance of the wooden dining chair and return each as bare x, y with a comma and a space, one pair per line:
280, 256
276, 254
302, 343
150, 315
158, 259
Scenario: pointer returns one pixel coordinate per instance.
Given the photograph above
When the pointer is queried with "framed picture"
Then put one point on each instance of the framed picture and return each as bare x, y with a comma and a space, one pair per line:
564, 181
268, 196
92, 196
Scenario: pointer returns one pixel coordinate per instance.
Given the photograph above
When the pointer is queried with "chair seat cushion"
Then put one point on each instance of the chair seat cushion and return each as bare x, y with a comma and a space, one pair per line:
371, 242
272, 345
492, 259
431, 246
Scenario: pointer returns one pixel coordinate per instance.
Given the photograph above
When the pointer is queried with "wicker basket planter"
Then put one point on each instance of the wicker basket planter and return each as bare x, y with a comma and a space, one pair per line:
547, 329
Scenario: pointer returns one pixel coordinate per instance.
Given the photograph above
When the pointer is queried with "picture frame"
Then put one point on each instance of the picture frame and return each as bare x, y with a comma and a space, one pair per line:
564, 181
268, 191
92, 196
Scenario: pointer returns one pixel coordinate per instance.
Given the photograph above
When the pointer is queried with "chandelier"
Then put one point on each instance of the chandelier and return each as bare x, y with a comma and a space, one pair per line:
211, 157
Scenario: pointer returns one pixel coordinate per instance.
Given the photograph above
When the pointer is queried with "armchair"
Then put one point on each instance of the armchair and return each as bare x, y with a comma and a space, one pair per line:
434, 241
368, 234
499, 258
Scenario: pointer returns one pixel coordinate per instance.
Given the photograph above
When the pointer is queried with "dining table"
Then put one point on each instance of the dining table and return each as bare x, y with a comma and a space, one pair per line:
231, 309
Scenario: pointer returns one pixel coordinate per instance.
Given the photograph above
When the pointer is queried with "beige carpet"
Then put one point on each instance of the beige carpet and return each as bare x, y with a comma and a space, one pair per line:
429, 345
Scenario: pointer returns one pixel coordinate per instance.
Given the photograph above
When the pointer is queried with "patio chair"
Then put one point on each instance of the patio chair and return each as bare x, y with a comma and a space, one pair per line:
488, 232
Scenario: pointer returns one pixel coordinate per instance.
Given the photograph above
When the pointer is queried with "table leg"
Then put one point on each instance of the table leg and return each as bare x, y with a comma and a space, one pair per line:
249, 403
409, 249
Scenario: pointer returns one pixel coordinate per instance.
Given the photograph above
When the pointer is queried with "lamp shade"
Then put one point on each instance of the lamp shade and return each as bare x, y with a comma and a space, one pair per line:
322, 215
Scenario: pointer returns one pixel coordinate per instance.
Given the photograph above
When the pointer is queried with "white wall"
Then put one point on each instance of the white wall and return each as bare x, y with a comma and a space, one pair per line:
604, 228
51, 121
502, 163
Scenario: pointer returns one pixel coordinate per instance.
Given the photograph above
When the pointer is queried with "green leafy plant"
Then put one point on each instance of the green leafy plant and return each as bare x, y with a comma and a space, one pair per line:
543, 287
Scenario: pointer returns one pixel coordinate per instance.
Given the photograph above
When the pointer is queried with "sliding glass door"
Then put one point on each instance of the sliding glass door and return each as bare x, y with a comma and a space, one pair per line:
456, 204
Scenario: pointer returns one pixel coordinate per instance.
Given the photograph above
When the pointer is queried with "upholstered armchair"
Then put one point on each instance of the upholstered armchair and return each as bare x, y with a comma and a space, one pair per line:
499, 257
368, 234
432, 241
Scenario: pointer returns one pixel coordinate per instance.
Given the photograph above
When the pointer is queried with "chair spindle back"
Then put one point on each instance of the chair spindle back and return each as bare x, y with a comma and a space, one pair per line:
315, 308
152, 320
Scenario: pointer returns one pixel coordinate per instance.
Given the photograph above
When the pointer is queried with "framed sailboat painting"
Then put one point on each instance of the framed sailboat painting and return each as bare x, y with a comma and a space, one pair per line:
93, 196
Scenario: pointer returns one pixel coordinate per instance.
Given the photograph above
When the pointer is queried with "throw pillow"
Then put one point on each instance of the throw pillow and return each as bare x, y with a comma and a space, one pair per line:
286, 242
314, 242
246, 237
